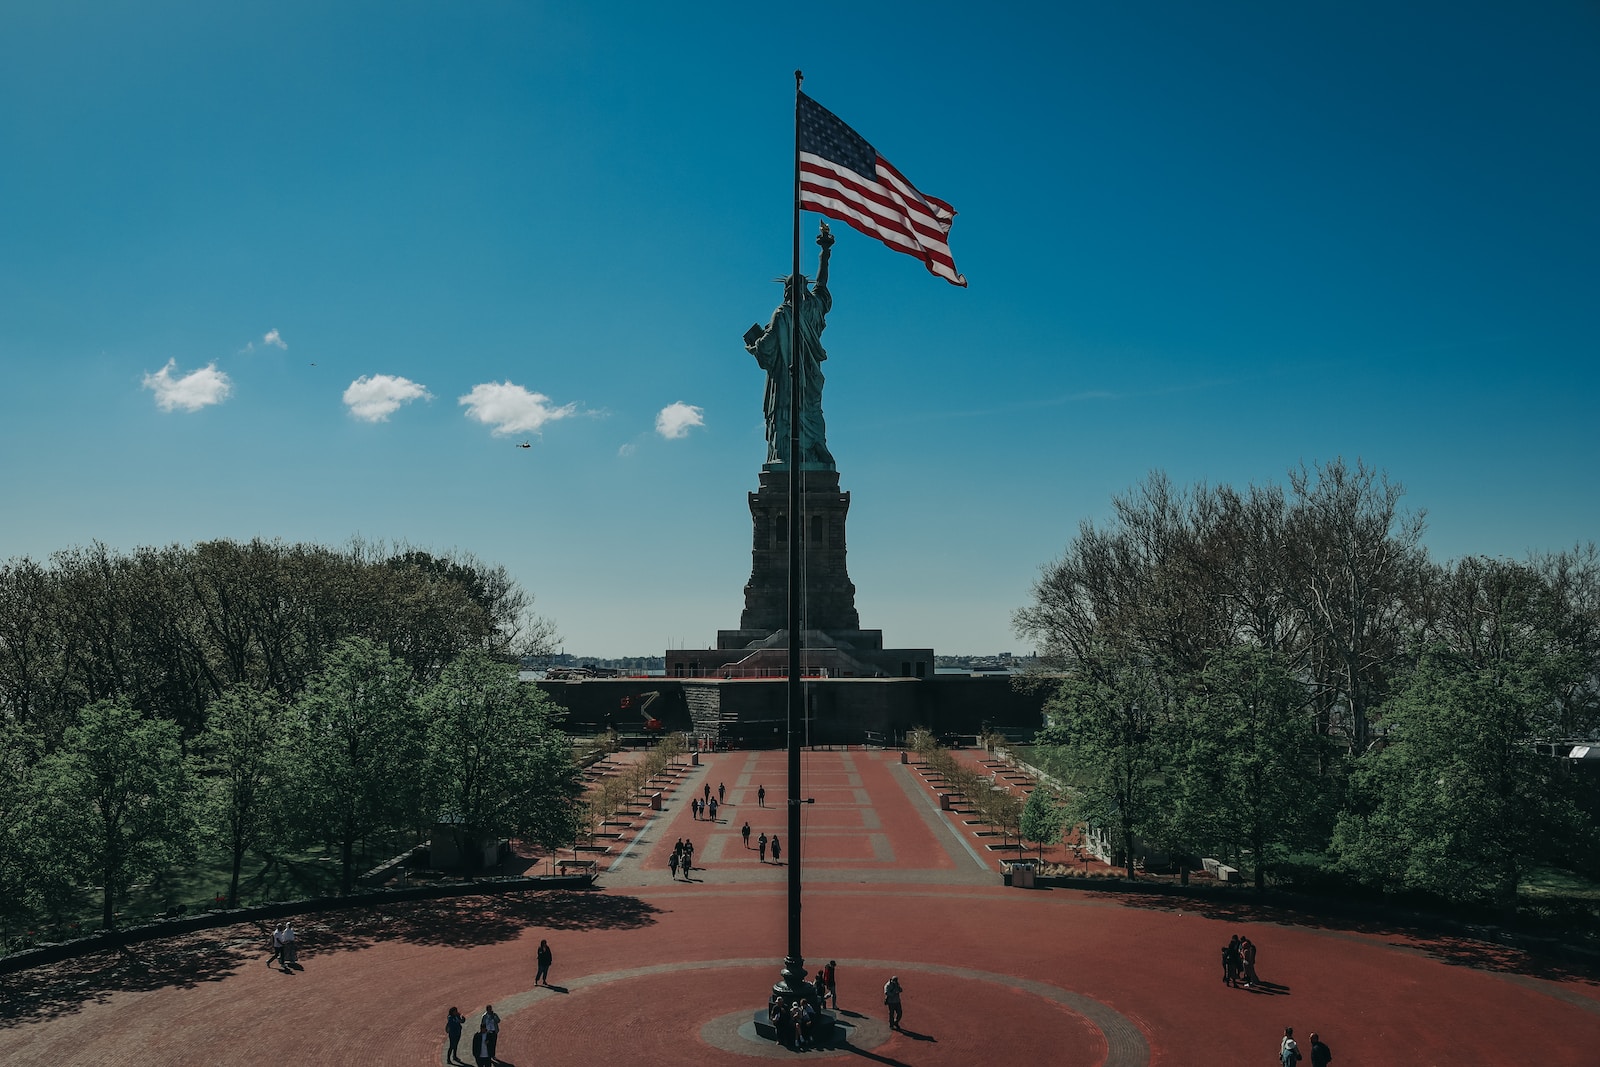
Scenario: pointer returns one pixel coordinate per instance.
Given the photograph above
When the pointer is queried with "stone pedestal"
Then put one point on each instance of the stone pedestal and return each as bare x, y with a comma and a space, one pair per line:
828, 595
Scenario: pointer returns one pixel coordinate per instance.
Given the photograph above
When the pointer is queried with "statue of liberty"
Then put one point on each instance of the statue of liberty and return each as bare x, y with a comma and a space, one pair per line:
771, 344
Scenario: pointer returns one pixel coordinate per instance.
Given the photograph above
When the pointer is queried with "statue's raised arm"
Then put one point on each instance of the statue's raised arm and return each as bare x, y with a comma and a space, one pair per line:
825, 240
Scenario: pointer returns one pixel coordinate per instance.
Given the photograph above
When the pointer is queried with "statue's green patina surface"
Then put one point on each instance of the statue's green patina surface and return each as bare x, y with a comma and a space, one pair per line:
771, 346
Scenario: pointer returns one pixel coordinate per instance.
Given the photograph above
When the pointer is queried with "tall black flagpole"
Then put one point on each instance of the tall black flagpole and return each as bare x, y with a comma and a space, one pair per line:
794, 969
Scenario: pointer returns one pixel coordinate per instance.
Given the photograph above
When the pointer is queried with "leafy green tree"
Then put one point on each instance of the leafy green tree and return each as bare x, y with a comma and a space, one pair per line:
118, 799
1456, 801
356, 750
1107, 726
1042, 818
496, 763
246, 745
1247, 778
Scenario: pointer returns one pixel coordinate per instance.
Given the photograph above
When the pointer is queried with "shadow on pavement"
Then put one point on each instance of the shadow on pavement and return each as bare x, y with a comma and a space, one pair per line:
1458, 949
178, 963
211, 955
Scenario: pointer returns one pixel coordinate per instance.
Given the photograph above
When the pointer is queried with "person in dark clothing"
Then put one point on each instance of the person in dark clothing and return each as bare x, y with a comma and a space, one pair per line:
761, 843
891, 997
1321, 1055
1232, 963
761, 795
480, 1047
777, 849
744, 832
546, 958
452, 1029
782, 1021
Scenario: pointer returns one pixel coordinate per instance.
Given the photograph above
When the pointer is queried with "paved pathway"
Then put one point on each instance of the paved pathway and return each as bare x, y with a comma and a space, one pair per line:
652, 971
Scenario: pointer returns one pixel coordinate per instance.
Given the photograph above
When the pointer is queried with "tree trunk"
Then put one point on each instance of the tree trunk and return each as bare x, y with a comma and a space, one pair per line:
347, 850
233, 886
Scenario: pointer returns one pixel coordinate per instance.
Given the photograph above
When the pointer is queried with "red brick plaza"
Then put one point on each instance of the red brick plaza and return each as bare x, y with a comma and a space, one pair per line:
655, 971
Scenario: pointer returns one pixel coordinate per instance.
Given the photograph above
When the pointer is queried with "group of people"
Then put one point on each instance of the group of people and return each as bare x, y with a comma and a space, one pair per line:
488, 1035
483, 1042
795, 1023
705, 809
1239, 963
284, 947
682, 856
1289, 1050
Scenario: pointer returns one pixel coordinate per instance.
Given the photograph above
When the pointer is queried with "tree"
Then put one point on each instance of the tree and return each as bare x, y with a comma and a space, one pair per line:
356, 755
1246, 779
1106, 724
1456, 801
118, 799
1354, 569
496, 764
1042, 818
23, 868
246, 744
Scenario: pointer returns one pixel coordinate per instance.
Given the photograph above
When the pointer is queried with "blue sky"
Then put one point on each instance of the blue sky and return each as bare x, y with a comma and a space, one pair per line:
1219, 240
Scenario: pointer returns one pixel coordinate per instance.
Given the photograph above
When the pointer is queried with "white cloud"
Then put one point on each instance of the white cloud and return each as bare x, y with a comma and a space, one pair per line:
624, 451
192, 391
508, 408
272, 338
374, 397
677, 419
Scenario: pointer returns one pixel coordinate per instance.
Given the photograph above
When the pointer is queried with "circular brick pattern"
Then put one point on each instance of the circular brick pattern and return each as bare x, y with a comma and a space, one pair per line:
1076, 1028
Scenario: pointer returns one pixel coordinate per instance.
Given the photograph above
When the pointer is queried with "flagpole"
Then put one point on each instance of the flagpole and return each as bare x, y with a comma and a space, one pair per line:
794, 965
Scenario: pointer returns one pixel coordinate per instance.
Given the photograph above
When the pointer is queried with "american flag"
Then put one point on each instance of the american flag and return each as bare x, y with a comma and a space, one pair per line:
843, 177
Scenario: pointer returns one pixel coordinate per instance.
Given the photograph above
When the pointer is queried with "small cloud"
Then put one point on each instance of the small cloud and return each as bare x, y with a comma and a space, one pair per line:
374, 397
508, 408
191, 392
272, 338
627, 450
677, 419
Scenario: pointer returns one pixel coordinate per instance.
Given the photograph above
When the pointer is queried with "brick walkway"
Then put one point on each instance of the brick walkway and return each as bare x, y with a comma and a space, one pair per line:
652, 971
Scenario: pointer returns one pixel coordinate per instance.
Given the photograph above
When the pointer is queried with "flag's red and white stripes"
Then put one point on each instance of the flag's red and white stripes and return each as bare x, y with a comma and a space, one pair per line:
886, 207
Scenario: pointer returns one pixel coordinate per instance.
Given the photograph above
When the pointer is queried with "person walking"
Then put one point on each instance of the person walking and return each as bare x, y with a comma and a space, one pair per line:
491, 1027
480, 1047
744, 832
291, 954
452, 1030
688, 856
672, 863
1321, 1055
761, 796
777, 849
714, 802
277, 944
708, 790
1288, 1048
891, 997
546, 958
761, 843
830, 978
1247, 954
721, 793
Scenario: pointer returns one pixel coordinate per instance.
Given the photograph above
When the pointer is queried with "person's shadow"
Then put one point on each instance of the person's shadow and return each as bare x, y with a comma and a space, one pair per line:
913, 1035
557, 988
